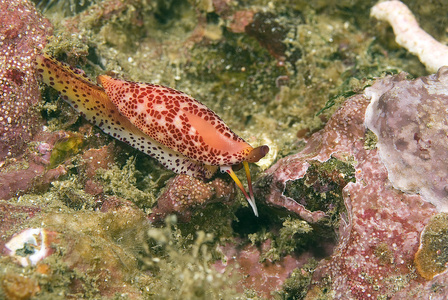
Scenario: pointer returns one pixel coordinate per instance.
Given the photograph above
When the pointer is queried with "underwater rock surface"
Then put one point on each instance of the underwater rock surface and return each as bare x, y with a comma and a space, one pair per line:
410, 119
183, 194
379, 236
23, 32
267, 69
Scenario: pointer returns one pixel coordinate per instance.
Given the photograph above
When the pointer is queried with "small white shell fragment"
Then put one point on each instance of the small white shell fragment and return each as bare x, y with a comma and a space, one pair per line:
30, 246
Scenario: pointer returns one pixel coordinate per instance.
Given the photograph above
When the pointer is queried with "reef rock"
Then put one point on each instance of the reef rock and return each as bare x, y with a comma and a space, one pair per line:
23, 33
266, 277
410, 120
11, 215
183, 194
379, 234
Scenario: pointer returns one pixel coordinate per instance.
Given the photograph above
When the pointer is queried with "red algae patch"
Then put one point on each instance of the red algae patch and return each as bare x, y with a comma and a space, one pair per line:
23, 33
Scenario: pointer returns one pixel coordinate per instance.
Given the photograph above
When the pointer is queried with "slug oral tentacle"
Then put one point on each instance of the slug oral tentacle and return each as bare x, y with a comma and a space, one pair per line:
249, 180
179, 131
250, 199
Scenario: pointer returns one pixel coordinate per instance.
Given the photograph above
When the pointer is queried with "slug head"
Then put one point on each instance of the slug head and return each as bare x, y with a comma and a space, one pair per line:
257, 153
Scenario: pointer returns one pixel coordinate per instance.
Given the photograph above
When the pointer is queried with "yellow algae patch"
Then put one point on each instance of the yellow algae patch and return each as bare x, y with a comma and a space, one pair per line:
431, 258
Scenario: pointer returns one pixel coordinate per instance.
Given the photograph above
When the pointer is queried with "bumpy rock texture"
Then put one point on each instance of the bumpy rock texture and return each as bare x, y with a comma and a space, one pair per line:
184, 194
23, 33
379, 235
409, 118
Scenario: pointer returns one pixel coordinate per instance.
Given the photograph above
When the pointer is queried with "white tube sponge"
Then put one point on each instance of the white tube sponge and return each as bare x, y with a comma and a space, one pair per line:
409, 35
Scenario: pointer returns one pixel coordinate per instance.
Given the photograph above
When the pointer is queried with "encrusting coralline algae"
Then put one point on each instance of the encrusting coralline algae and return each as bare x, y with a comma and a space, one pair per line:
379, 234
409, 118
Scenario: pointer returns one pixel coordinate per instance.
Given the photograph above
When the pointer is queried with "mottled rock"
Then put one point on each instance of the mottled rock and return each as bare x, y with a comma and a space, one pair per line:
410, 119
340, 137
265, 278
92, 161
32, 171
379, 235
23, 33
183, 194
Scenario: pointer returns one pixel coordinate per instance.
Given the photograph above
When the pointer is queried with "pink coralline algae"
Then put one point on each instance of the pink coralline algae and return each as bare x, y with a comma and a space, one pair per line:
23, 33
264, 277
340, 137
31, 172
11, 215
184, 194
414, 142
379, 235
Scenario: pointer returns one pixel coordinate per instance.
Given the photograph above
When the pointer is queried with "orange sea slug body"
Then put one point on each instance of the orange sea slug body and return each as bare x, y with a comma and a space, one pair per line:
179, 131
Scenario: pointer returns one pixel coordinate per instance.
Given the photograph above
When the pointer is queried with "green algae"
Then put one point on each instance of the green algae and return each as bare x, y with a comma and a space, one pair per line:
185, 272
90, 248
296, 286
122, 182
67, 8
8, 167
126, 240
118, 248
384, 254
65, 148
72, 194
321, 188
370, 140
293, 236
